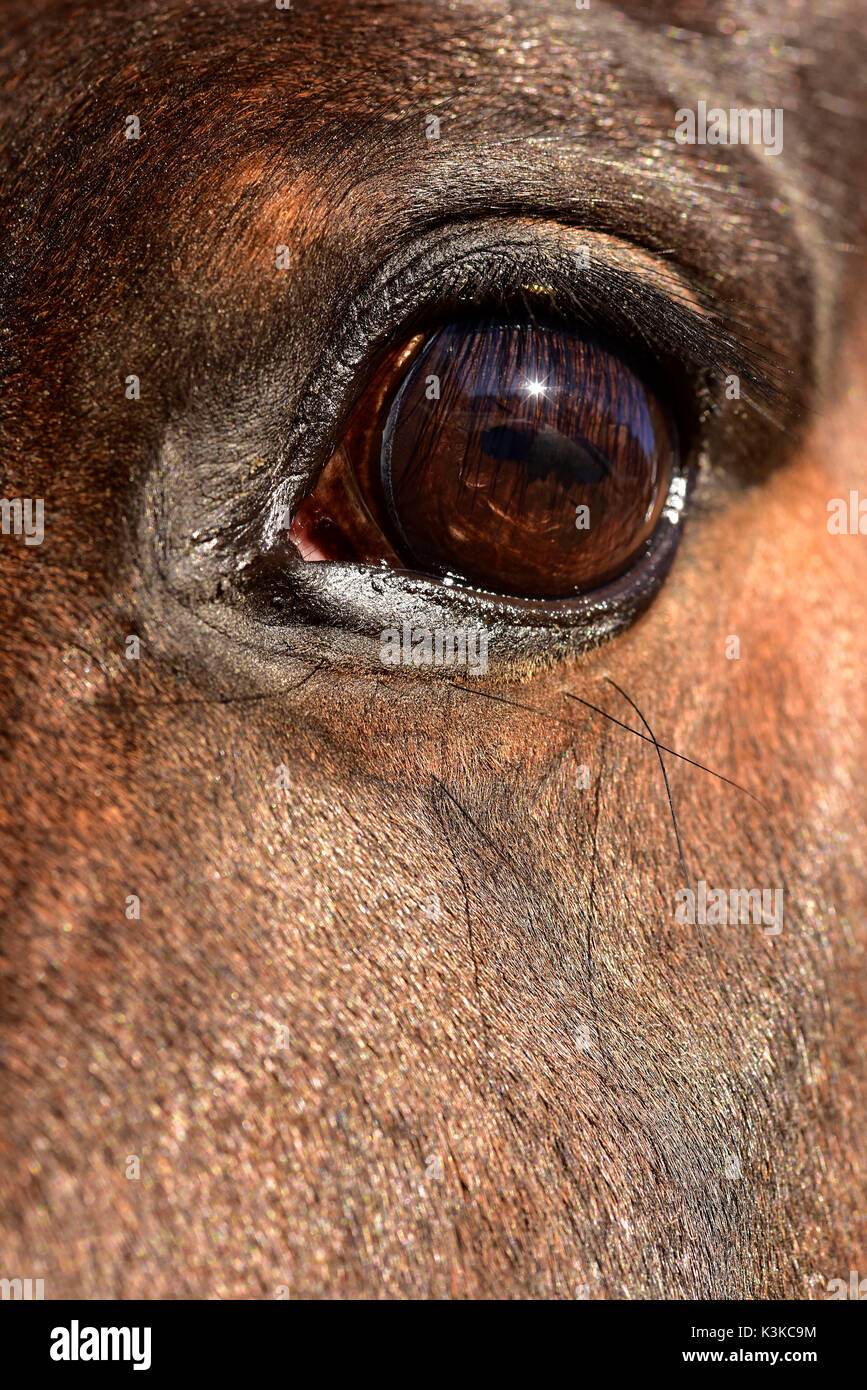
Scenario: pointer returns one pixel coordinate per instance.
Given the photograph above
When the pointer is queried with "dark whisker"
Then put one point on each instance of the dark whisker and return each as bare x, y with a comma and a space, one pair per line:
664, 776
673, 751
155, 702
570, 724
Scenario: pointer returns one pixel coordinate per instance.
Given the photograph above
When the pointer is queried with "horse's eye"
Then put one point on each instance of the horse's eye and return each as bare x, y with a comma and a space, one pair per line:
522, 459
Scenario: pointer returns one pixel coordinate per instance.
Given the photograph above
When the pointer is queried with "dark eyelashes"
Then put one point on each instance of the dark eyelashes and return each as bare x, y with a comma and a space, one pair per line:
220, 517
690, 355
687, 343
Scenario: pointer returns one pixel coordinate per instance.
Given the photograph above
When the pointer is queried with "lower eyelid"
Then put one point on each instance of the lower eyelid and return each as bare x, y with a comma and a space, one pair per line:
282, 589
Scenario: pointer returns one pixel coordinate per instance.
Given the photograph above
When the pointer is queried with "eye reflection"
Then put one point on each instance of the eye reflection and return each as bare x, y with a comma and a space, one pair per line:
524, 459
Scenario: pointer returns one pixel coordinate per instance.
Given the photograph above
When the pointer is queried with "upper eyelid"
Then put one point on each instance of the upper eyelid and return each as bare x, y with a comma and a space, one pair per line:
226, 519
231, 466
625, 290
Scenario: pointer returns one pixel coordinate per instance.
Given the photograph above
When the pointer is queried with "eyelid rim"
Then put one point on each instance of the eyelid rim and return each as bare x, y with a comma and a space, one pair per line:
366, 598
627, 292
207, 550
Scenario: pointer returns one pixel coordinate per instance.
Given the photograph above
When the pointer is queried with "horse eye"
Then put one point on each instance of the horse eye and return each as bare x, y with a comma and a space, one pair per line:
522, 459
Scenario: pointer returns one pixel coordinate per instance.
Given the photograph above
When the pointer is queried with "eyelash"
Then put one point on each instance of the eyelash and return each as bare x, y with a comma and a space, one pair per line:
219, 522
684, 354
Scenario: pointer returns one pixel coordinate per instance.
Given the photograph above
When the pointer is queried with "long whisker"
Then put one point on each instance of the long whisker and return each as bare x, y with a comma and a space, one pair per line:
258, 697
664, 776
673, 751
570, 724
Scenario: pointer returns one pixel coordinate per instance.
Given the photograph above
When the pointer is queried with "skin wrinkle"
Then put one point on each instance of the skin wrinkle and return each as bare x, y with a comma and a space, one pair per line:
308, 1164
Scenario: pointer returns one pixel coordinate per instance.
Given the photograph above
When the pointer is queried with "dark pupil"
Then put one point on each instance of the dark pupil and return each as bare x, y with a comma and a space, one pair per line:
499, 435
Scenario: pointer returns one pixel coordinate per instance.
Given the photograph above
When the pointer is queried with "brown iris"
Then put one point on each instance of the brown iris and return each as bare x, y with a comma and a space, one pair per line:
520, 458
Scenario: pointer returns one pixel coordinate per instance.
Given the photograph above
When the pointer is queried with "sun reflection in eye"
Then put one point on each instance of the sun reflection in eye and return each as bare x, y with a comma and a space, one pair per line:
482, 486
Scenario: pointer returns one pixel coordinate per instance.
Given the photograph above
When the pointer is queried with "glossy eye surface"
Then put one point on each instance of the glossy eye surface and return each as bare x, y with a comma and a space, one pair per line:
523, 459
541, 468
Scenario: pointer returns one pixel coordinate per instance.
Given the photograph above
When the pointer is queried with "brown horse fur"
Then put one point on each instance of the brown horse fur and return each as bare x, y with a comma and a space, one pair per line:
414, 1017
